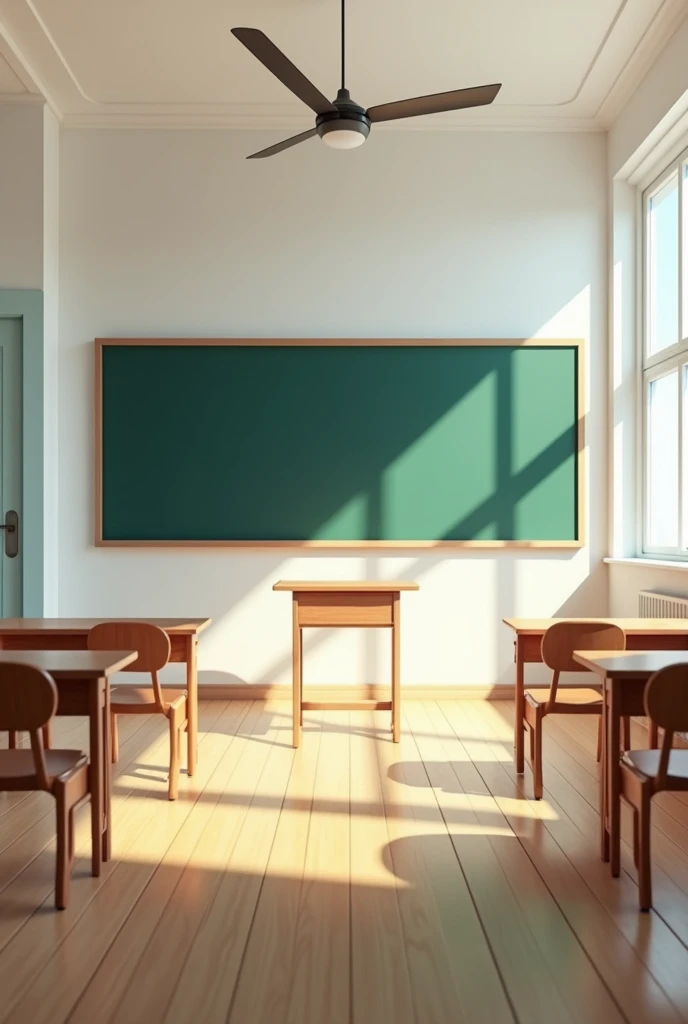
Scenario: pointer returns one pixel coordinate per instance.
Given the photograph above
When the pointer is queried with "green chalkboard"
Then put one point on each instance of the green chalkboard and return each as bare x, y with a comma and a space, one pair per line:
338, 444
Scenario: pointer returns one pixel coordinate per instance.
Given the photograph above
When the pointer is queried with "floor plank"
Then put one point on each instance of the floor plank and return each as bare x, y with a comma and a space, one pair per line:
354, 881
321, 970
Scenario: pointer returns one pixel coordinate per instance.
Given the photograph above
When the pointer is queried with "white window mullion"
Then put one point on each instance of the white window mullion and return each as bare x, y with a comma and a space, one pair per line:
681, 464
681, 243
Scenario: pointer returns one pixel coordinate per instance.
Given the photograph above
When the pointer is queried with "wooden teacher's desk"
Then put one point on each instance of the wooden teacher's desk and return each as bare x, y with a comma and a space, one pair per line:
82, 680
352, 604
72, 634
641, 635
624, 675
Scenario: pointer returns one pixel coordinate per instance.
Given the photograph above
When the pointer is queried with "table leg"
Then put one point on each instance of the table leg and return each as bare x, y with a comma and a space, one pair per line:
613, 787
604, 772
296, 674
107, 768
396, 675
301, 677
192, 701
95, 773
520, 707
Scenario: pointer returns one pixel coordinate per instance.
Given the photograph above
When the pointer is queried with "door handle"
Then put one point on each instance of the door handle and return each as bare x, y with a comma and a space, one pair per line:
11, 528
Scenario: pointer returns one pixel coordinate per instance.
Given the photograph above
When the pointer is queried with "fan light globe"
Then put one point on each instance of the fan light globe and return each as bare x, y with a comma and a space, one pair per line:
344, 132
343, 138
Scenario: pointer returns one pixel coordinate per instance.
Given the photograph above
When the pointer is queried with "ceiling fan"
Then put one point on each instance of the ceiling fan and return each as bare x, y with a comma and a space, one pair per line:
343, 124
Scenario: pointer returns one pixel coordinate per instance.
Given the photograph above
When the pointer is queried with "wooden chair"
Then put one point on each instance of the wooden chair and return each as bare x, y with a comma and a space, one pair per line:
558, 645
646, 772
47, 737
153, 646
28, 701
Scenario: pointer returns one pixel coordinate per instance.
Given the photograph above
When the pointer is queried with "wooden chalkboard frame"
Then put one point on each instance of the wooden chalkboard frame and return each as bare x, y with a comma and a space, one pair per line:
581, 468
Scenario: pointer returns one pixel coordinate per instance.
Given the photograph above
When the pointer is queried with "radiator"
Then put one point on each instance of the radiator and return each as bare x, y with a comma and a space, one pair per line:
661, 606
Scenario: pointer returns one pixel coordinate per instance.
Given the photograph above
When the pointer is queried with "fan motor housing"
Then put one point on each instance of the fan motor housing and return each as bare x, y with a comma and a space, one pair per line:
347, 117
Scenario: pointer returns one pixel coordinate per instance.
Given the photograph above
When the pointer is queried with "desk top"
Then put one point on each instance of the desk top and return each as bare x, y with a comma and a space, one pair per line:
629, 664
77, 626
346, 586
72, 664
656, 627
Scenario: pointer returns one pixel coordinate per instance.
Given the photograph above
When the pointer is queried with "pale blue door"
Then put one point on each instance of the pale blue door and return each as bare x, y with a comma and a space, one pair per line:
10, 467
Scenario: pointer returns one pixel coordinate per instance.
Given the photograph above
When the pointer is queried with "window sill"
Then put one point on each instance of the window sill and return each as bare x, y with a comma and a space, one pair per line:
649, 563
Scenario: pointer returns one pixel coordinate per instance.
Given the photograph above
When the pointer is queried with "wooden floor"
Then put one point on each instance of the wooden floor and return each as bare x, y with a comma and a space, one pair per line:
351, 881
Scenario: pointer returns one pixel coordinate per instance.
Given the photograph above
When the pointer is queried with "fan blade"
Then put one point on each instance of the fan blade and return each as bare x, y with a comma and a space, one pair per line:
281, 67
479, 96
280, 146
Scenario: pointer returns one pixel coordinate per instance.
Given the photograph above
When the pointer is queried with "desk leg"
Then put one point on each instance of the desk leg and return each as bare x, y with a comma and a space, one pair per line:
95, 773
107, 769
396, 674
192, 711
604, 773
613, 787
301, 677
520, 707
296, 679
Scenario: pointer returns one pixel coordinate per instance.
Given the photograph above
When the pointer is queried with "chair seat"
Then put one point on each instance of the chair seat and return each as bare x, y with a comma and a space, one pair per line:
142, 696
565, 695
647, 763
19, 764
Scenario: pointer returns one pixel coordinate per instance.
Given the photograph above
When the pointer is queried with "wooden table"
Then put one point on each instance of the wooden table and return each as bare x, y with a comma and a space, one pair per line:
624, 675
353, 605
641, 635
82, 680
71, 634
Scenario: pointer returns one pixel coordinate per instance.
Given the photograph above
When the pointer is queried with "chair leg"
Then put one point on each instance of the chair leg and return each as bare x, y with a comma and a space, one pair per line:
70, 848
114, 737
12, 740
173, 787
48, 735
531, 735
653, 738
62, 862
644, 864
636, 837
626, 733
598, 756
537, 758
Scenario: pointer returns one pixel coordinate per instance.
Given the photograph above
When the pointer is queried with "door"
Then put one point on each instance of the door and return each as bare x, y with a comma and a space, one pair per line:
10, 466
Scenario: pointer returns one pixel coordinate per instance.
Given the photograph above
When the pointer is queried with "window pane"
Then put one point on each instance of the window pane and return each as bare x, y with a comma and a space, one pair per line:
662, 267
662, 457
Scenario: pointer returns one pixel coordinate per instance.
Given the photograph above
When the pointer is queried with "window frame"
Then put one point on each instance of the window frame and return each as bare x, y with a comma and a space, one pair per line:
667, 360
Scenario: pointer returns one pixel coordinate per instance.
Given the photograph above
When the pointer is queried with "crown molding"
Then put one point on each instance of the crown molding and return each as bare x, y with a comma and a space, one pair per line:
25, 99
235, 118
666, 21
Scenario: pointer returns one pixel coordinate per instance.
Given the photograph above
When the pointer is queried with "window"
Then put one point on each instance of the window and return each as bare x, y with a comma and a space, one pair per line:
665, 363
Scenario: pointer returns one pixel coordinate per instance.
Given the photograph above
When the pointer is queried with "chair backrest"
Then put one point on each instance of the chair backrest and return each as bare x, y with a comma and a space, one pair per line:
28, 700
563, 638
666, 703
151, 642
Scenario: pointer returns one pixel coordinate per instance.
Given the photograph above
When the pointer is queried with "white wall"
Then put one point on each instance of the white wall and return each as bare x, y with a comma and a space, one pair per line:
416, 234
21, 196
51, 250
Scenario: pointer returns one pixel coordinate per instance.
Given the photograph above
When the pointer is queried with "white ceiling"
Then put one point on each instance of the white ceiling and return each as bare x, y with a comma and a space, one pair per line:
564, 64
